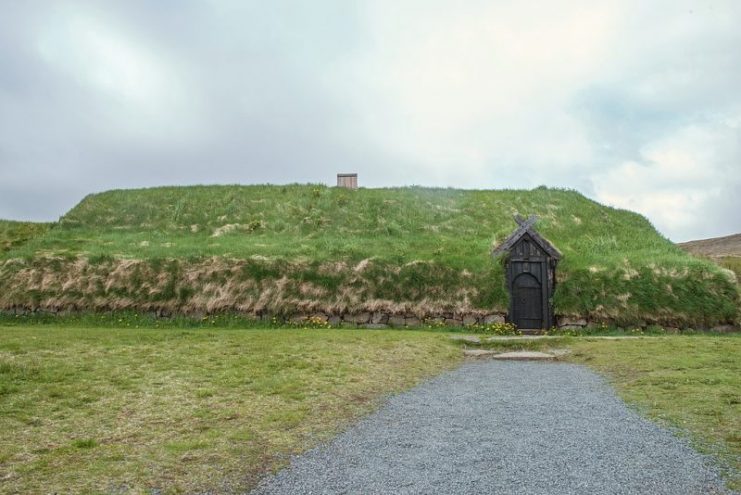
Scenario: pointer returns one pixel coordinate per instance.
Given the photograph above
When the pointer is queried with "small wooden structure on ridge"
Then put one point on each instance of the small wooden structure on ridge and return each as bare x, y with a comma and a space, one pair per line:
348, 181
531, 275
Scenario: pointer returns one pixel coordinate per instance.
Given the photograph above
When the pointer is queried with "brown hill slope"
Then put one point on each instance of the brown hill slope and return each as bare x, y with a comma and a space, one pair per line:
716, 247
726, 251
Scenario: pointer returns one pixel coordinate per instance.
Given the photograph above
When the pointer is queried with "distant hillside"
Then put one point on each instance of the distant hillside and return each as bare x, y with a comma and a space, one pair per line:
284, 249
729, 245
726, 251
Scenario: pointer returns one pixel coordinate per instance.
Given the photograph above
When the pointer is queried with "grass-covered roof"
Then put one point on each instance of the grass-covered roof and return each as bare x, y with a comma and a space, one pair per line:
345, 248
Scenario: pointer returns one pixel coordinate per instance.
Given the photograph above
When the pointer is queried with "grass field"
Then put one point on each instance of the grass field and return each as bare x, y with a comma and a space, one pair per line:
86, 410
126, 411
298, 248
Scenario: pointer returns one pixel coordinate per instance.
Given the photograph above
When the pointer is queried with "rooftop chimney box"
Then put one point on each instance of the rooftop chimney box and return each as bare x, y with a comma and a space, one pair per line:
348, 181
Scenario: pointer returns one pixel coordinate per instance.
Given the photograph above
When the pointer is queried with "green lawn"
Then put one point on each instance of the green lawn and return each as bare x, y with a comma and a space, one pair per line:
105, 410
85, 410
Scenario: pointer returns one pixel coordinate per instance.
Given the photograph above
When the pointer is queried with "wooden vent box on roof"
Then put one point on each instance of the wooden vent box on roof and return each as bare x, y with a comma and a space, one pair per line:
348, 181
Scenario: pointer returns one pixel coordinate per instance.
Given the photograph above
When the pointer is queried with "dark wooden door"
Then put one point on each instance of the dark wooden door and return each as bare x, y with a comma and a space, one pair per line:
527, 302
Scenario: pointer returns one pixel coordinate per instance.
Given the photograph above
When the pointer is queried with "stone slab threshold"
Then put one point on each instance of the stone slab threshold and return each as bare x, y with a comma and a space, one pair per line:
513, 356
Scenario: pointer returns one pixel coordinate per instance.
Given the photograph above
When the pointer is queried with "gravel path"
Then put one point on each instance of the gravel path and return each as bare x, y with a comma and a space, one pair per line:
502, 427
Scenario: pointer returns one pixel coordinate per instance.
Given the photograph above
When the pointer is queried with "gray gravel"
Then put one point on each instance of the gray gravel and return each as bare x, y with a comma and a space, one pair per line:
502, 427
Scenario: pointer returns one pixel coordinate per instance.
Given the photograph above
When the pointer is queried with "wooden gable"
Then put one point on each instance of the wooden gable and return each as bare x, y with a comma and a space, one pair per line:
525, 234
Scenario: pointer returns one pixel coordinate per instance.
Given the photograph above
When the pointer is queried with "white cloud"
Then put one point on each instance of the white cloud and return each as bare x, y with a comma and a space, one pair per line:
462, 86
140, 89
678, 179
485, 94
634, 103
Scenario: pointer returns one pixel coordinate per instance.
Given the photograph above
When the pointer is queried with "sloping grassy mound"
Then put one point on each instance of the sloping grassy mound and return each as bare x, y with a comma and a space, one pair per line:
282, 249
15, 234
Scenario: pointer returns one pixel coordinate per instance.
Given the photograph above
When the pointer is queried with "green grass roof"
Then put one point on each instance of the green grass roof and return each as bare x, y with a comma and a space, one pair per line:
614, 261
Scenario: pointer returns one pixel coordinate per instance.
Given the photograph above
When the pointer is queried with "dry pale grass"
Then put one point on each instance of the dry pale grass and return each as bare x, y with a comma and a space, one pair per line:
130, 411
218, 284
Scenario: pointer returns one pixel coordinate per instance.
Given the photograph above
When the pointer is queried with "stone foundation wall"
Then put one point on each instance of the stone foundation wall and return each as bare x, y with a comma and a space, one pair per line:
578, 323
365, 319
382, 319
390, 320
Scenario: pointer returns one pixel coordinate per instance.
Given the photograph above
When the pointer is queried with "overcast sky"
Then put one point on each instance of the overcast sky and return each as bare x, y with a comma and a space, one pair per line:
636, 104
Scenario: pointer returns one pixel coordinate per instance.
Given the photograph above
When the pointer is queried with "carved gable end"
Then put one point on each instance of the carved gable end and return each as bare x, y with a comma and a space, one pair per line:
526, 247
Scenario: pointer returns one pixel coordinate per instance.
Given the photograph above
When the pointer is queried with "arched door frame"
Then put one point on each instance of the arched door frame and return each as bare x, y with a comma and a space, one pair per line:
527, 305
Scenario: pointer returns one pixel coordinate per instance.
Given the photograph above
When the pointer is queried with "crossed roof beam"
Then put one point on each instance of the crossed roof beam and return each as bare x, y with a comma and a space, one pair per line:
526, 226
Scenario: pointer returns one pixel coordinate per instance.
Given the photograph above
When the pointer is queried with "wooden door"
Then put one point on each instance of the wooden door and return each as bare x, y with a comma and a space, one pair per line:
527, 302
